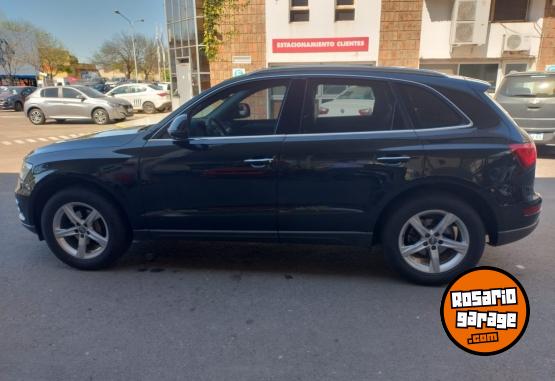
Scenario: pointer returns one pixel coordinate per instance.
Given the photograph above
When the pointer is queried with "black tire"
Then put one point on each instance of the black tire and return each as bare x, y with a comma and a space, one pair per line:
36, 116
18, 106
118, 231
149, 108
100, 116
60, 121
401, 214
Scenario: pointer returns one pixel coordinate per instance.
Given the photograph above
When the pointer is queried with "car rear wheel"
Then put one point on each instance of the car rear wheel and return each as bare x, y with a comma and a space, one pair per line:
149, 108
100, 116
18, 106
36, 116
432, 238
84, 229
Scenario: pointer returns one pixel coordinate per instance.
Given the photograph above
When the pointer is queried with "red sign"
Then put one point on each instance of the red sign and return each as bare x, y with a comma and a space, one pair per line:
319, 45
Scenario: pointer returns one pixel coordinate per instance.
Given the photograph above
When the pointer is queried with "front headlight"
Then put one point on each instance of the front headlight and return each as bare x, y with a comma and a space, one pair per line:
111, 104
25, 169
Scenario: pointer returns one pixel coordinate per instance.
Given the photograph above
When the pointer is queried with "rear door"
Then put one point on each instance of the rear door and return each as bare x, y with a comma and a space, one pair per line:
51, 102
337, 169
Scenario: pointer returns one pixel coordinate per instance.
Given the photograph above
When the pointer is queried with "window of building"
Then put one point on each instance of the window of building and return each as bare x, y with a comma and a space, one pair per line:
51, 92
360, 106
298, 11
509, 10
515, 67
344, 10
485, 72
428, 110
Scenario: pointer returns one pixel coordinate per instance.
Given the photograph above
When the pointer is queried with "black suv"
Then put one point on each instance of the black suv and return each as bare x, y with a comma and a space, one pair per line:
423, 163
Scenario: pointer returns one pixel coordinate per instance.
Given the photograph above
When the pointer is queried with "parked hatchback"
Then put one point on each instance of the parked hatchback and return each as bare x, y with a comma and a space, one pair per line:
432, 171
13, 97
143, 96
530, 99
75, 102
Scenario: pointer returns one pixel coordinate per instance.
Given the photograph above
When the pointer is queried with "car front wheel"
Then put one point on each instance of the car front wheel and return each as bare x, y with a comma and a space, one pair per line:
100, 116
432, 238
84, 229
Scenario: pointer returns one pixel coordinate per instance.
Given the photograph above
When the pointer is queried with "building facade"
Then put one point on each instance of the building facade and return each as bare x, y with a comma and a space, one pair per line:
484, 39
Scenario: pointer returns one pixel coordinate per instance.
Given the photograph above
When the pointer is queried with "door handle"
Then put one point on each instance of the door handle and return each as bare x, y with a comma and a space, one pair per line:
259, 163
393, 159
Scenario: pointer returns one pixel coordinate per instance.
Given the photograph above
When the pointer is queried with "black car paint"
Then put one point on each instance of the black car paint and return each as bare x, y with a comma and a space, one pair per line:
315, 188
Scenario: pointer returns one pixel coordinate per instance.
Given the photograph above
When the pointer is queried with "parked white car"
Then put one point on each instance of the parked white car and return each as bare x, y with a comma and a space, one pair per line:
143, 96
353, 101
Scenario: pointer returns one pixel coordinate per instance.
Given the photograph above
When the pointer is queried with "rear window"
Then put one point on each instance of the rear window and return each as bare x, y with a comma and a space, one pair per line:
155, 87
477, 110
533, 86
49, 93
428, 110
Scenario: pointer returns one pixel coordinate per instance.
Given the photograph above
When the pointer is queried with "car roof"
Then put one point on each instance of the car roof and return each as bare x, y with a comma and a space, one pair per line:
344, 69
529, 73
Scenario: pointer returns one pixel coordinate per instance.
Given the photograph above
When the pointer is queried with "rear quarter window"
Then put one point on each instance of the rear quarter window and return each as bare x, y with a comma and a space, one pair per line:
49, 93
427, 109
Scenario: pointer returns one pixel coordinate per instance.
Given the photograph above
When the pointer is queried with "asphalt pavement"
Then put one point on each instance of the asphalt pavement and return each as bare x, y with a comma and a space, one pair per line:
228, 311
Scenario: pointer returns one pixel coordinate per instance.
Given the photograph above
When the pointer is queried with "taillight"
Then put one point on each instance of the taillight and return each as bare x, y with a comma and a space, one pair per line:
364, 112
525, 153
531, 210
323, 110
163, 94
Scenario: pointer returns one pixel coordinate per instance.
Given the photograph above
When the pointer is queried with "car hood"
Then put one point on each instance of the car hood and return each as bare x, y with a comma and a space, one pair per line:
118, 101
104, 139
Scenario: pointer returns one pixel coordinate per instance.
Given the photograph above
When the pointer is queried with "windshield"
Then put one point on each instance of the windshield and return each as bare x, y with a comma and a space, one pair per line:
89, 92
533, 86
155, 87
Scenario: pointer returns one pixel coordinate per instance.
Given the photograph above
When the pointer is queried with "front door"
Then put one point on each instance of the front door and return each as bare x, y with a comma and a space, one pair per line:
351, 151
223, 180
72, 105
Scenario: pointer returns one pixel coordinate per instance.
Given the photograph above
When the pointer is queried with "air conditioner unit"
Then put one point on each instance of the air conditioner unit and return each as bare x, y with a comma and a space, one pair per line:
516, 43
469, 22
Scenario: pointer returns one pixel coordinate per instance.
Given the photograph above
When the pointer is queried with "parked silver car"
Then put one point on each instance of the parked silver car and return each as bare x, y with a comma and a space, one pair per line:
75, 102
529, 97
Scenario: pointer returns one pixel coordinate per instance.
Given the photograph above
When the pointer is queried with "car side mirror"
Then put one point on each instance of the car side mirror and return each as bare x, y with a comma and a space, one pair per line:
179, 128
243, 111
81, 97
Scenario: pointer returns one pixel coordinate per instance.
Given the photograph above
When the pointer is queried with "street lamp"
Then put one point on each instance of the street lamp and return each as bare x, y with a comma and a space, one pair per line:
132, 25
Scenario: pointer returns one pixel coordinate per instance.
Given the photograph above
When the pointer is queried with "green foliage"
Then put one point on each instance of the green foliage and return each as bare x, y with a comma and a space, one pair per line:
214, 11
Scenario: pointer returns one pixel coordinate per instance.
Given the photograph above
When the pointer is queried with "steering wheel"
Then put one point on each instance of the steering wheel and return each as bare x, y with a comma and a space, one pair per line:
217, 126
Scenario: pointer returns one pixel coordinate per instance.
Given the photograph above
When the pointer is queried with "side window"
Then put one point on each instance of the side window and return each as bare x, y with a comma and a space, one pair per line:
428, 110
51, 92
26, 91
69, 93
355, 106
245, 110
120, 90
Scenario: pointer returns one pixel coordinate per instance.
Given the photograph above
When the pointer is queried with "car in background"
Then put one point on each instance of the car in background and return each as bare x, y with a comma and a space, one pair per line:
13, 97
529, 98
352, 100
75, 102
145, 97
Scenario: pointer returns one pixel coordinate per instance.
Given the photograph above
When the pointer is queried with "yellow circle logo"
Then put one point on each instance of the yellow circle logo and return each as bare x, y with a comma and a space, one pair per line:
485, 311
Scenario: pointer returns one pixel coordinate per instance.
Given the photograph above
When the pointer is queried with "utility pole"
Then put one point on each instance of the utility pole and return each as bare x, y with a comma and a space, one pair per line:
132, 25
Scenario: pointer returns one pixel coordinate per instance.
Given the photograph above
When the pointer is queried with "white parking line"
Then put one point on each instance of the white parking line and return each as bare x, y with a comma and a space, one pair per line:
6, 143
19, 141
31, 140
64, 137
73, 135
43, 139
53, 138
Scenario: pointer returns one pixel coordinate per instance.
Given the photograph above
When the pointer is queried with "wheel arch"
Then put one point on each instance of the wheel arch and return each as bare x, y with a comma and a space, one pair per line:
461, 190
58, 183
96, 108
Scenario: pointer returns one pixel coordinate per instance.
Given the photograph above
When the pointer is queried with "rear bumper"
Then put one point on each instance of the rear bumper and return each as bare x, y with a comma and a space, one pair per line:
513, 235
515, 223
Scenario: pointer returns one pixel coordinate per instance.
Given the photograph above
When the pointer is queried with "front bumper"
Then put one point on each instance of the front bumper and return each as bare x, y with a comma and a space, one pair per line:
541, 136
120, 112
6, 106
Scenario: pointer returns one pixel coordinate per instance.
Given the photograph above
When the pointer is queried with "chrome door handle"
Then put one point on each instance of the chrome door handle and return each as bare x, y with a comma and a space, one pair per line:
259, 163
393, 159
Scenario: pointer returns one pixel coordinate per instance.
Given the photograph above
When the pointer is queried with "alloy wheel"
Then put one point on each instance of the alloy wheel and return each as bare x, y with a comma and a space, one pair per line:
35, 116
80, 230
100, 117
434, 241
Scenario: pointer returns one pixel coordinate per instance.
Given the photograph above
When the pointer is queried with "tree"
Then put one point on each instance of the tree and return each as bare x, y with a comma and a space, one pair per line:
18, 47
54, 58
116, 54
147, 55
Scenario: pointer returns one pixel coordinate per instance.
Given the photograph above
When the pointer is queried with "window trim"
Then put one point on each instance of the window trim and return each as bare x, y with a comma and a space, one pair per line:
345, 8
188, 106
299, 9
492, 14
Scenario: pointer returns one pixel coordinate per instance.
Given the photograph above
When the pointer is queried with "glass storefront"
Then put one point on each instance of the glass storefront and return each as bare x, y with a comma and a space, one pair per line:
190, 71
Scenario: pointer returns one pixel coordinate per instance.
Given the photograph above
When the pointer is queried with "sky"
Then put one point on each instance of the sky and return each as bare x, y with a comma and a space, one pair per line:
82, 25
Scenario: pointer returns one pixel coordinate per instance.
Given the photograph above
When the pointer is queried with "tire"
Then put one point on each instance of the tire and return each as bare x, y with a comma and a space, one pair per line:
105, 238
36, 116
466, 230
100, 116
60, 121
18, 106
149, 108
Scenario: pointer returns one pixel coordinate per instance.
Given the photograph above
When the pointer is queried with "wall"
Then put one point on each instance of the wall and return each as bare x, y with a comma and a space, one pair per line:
436, 30
400, 33
322, 24
547, 49
248, 39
